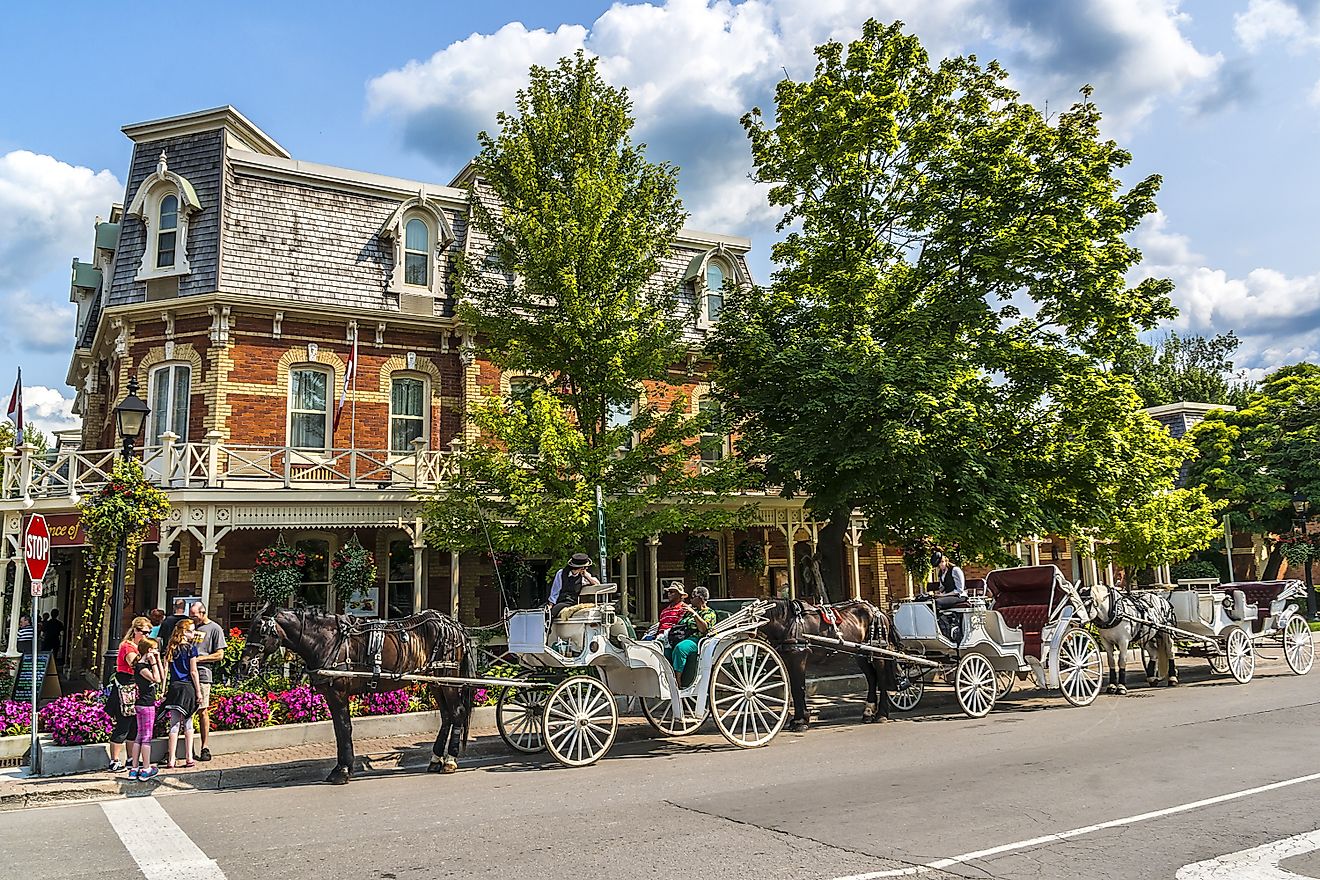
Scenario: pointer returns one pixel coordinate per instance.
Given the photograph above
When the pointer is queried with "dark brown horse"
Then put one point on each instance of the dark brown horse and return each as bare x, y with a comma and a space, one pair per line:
856, 621
429, 643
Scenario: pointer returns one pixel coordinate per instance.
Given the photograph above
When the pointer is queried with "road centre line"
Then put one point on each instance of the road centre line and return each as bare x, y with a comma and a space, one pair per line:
159, 846
1078, 832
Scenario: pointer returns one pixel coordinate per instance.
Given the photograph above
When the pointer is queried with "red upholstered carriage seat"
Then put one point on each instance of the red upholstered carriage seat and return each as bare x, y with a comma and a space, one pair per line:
1022, 596
1260, 594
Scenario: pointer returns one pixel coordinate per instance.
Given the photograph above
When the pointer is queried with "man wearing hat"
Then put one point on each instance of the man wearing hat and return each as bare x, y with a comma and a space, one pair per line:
568, 584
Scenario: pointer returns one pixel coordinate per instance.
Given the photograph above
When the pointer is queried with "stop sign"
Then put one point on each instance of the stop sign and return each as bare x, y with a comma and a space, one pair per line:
36, 548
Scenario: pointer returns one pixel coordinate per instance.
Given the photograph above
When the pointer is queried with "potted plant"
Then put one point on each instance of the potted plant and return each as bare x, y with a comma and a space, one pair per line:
353, 576
749, 556
278, 572
701, 556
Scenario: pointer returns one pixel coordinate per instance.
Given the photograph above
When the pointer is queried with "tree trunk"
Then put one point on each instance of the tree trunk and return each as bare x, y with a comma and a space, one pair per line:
833, 559
1273, 564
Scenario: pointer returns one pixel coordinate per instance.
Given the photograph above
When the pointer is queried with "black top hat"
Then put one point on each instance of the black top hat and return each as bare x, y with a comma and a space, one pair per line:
580, 560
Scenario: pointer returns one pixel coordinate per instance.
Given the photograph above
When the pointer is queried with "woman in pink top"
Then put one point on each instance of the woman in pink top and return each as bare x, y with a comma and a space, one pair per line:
124, 717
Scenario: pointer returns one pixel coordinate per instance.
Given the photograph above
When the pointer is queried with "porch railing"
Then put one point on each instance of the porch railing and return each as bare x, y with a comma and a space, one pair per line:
213, 464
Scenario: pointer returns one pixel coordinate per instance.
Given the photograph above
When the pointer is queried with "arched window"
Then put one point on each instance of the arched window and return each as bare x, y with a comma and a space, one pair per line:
407, 412
416, 253
309, 408
714, 442
619, 415
167, 232
170, 390
522, 389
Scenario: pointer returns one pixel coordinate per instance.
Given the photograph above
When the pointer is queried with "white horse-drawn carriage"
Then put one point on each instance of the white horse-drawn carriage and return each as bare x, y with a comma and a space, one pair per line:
1022, 623
580, 664
1227, 622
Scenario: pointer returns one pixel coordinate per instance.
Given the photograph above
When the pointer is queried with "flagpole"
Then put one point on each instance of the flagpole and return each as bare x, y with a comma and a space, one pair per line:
352, 428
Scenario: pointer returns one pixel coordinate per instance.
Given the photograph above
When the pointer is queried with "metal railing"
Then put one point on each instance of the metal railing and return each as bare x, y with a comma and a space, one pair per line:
214, 464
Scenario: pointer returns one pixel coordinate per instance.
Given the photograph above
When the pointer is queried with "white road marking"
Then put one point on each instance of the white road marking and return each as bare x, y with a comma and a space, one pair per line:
1078, 832
160, 847
1258, 863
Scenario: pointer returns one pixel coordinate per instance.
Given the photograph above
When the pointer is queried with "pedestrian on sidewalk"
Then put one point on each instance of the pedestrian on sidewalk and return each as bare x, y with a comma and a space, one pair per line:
25, 634
167, 625
156, 616
210, 650
146, 675
52, 633
185, 689
119, 703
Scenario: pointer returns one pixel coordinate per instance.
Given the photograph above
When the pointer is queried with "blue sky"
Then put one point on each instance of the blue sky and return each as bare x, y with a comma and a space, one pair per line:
1221, 97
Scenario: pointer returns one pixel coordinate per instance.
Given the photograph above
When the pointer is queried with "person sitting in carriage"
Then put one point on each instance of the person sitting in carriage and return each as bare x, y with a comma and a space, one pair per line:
568, 584
681, 639
952, 592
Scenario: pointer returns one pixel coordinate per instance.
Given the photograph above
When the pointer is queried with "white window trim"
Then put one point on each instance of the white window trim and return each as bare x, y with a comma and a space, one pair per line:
440, 236
151, 387
426, 410
309, 452
726, 446
332, 542
146, 207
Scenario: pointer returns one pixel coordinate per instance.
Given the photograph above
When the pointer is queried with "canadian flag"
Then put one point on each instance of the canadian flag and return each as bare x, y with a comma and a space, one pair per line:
350, 373
16, 409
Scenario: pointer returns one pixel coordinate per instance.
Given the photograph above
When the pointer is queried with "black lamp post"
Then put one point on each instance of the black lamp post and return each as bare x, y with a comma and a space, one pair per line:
1302, 505
130, 416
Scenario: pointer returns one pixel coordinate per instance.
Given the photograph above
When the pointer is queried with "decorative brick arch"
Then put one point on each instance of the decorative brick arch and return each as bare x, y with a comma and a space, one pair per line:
183, 353
299, 355
397, 364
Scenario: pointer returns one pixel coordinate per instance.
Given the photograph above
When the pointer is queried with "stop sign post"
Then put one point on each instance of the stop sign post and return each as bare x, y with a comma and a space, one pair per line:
36, 558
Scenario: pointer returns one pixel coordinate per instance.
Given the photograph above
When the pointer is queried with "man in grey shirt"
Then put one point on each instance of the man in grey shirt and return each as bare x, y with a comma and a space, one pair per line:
210, 651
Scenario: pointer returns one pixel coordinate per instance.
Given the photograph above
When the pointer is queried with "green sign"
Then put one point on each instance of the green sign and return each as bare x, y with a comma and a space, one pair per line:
600, 533
25, 680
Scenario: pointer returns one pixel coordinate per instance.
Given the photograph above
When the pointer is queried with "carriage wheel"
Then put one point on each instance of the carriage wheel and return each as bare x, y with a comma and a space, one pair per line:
580, 721
1298, 649
974, 682
660, 713
1241, 656
1219, 663
1005, 681
749, 693
911, 685
518, 714
1081, 670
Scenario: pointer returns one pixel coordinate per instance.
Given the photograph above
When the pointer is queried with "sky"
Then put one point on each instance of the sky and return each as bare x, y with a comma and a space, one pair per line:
1220, 97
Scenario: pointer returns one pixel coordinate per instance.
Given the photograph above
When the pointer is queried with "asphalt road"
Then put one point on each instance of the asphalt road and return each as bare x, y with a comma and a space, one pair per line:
839, 801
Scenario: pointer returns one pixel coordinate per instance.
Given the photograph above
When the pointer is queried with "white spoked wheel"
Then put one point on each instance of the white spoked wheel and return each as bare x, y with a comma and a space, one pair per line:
910, 686
974, 683
1081, 671
580, 721
1005, 681
749, 693
1219, 663
1241, 656
660, 712
518, 714
1298, 649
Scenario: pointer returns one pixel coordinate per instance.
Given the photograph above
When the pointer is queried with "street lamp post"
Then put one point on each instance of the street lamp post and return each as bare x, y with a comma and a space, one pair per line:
130, 416
1302, 505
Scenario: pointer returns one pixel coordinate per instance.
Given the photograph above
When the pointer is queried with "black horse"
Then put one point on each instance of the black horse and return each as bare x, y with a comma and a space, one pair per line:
853, 621
429, 643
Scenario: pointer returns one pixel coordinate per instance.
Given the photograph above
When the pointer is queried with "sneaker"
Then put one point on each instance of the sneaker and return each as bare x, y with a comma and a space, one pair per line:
133, 773
154, 771
205, 755
117, 766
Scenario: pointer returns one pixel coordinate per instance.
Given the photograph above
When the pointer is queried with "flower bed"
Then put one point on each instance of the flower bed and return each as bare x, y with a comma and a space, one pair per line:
15, 718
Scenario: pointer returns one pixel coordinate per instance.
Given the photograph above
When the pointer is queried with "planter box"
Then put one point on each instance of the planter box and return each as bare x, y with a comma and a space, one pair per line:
56, 760
14, 747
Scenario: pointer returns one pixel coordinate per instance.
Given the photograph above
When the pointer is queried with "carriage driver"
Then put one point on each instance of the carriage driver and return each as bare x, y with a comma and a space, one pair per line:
568, 583
953, 586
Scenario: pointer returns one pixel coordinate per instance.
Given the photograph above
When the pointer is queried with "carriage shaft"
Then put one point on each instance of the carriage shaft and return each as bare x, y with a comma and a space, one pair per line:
1164, 627
858, 647
432, 679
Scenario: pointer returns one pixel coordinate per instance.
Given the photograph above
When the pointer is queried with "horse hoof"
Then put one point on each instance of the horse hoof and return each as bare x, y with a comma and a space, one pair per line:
338, 776
798, 726
1122, 690
1154, 682
449, 766
1111, 689
1173, 682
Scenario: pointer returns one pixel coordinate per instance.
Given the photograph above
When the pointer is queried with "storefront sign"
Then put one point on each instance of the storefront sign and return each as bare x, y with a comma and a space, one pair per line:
66, 531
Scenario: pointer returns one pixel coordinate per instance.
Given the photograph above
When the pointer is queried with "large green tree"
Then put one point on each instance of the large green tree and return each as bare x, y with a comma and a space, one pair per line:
570, 288
1194, 368
1254, 459
950, 291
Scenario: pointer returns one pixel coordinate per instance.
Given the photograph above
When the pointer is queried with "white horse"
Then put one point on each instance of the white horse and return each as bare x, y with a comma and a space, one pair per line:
1124, 620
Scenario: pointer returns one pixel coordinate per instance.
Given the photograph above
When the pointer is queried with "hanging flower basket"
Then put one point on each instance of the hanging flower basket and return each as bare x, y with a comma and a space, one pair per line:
701, 556
749, 557
1300, 549
352, 571
278, 572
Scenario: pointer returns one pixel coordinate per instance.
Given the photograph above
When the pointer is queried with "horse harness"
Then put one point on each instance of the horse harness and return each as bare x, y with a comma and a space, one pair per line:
373, 633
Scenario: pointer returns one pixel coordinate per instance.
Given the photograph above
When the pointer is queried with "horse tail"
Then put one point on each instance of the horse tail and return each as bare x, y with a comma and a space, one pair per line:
467, 668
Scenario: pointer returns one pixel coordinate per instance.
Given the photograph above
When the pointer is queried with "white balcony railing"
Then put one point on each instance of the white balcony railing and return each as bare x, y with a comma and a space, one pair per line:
213, 464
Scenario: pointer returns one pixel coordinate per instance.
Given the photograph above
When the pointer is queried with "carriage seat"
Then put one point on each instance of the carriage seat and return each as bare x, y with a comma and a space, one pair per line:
573, 611
1031, 619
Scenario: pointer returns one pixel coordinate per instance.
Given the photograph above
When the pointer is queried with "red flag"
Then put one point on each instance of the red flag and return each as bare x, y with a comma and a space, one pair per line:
16, 409
349, 374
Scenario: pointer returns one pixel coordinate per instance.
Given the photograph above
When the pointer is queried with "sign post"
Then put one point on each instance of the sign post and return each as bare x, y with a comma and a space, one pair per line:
600, 535
36, 559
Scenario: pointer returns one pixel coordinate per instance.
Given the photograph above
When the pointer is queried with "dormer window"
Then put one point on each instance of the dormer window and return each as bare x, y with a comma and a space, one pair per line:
165, 204
416, 253
713, 296
710, 274
168, 235
415, 236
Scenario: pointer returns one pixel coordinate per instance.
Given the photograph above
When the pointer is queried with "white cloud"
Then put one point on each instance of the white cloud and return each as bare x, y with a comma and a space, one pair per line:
36, 323
48, 410
46, 212
1265, 21
693, 67
1276, 316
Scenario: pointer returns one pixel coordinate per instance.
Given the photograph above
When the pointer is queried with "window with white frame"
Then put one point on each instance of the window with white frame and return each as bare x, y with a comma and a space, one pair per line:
167, 232
407, 412
714, 443
417, 253
165, 204
712, 300
399, 598
619, 415
314, 591
170, 388
309, 408
522, 389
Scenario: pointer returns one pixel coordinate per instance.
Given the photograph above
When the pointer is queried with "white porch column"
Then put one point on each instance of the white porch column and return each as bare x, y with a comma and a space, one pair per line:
208, 565
209, 535
163, 558
854, 545
1034, 543
653, 571
623, 582
11, 526
453, 584
419, 576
